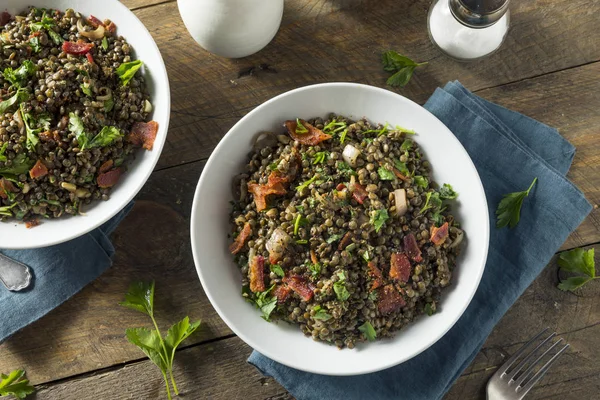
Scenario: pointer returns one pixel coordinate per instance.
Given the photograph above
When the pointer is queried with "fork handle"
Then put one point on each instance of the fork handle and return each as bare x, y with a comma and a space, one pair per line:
13, 274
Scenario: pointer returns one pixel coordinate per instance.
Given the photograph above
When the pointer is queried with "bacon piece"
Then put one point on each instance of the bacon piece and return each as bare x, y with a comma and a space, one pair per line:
38, 170
376, 274
359, 194
412, 248
313, 137
300, 285
46, 136
313, 257
110, 178
106, 166
34, 34
6, 187
389, 299
400, 176
400, 268
95, 22
282, 292
240, 240
340, 187
89, 57
439, 235
32, 223
112, 28
257, 274
346, 240
78, 48
4, 18
143, 134
260, 193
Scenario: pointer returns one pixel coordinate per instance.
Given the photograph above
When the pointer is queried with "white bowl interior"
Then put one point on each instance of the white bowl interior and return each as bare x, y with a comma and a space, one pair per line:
221, 277
14, 235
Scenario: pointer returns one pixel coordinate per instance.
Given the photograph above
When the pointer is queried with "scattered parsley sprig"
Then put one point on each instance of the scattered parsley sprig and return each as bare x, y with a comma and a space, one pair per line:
15, 384
161, 351
402, 67
577, 261
509, 208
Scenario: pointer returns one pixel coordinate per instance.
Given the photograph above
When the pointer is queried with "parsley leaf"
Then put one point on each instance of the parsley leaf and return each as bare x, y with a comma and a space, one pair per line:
400, 166
277, 270
15, 384
315, 269
385, 174
438, 218
368, 330
35, 45
300, 221
20, 165
429, 310
320, 157
339, 287
106, 136
406, 145
345, 169
432, 201
86, 89
104, 43
343, 135
273, 166
76, 127
404, 130
378, 218
140, 297
300, 129
577, 261
402, 66
19, 77
2, 151
509, 208
6, 210
447, 193
266, 303
421, 181
321, 314
333, 238
305, 184
109, 104
47, 23
373, 296
20, 96
127, 70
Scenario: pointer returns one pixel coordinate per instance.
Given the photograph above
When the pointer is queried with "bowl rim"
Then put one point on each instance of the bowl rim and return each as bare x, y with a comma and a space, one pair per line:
159, 74
268, 353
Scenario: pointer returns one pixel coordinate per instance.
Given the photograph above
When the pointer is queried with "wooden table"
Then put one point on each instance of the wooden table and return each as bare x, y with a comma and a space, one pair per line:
548, 68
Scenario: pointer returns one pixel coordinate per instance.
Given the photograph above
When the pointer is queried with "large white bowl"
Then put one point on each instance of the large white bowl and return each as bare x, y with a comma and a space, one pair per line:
221, 277
14, 235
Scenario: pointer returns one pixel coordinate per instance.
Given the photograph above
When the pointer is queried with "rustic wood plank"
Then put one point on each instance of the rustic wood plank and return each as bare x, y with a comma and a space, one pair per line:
574, 316
211, 371
324, 41
136, 4
87, 332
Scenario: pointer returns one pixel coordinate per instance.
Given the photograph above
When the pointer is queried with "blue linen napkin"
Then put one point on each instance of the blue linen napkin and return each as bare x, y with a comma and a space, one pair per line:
58, 272
509, 150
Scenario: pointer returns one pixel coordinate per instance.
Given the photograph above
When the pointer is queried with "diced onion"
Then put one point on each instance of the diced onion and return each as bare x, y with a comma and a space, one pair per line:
401, 204
350, 155
107, 94
96, 34
147, 106
460, 234
277, 243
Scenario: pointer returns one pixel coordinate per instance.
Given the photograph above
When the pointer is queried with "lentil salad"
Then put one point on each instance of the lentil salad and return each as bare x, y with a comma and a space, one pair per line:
72, 112
338, 228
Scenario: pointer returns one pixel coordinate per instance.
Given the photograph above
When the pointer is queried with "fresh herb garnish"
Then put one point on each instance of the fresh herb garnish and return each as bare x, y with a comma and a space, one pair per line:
321, 314
437, 217
304, 185
345, 169
277, 270
428, 309
161, 352
20, 165
334, 127
47, 23
265, 303
320, 157
15, 384
2, 151
35, 45
400, 166
301, 241
127, 70
85, 88
366, 256
368, 330
20, 96
300, 221
404, 130
104, 43
339, 287
32, 134
19, 77
578, 261
273, 166
300, 129
402, 67
109, 104
343, 135
447, 192
378, 218
6, 210
315, 269
385, 174
432, 201
406, 145
509, 208
300, 208
105, 137
333, 238
421, 181
373, 296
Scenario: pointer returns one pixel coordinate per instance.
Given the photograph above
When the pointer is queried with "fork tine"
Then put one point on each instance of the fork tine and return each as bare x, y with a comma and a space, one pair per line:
514, 357
523, 391
524, 361
529, 369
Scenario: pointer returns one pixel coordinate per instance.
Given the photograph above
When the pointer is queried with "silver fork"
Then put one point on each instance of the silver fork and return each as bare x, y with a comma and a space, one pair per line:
514, 385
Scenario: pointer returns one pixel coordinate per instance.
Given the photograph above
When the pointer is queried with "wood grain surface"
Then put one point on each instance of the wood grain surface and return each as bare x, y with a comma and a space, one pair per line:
547, 69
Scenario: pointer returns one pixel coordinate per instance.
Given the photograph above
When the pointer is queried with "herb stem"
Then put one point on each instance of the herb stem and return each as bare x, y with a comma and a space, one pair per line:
173, 382
167, 386
531, 186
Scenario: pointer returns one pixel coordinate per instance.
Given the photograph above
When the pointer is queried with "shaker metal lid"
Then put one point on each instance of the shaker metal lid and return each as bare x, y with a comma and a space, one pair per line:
478, 13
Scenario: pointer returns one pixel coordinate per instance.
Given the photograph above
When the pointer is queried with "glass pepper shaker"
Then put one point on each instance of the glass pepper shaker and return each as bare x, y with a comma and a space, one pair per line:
468, 29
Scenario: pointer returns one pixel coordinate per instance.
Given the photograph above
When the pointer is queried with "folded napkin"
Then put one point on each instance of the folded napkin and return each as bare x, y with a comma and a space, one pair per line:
509, 150
58, 272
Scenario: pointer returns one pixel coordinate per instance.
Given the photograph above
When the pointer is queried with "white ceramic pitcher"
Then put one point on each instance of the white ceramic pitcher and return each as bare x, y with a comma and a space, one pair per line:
232, 28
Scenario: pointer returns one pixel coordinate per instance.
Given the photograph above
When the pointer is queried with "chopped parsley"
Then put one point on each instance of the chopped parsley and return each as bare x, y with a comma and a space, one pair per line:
343, 135
126, 71
104, 43
334, 238
447, 193
404, 130
300, 221
19, 77
385, 174
320, 157
20, 96
273, 166
368, 330
85, 88
421, 181
334, 127
400, 166
378, 218
321, 314
300, 129
304, 185
339, 287
302, 241
406, 145
266, 303
432, 201
315, 269
429, 310
277, 270
373, 296
345, 169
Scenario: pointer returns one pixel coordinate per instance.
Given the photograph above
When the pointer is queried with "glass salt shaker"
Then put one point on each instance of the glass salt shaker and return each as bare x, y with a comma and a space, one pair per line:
468, 29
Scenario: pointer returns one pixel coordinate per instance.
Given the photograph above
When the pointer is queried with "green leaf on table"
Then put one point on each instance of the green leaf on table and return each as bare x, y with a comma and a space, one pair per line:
574, 282
15, 384
177, 334
509, 208
126, 71
368, 330
140, 297
578, 261
402, 77
149, 341
402, 67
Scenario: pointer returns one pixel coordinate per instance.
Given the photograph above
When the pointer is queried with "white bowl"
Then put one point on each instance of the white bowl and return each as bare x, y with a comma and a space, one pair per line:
220, 276
14, 235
